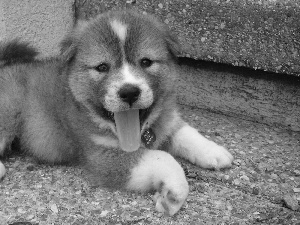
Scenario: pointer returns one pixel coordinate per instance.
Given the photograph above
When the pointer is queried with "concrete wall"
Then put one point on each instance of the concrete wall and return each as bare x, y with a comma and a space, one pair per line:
241, 92
42, 22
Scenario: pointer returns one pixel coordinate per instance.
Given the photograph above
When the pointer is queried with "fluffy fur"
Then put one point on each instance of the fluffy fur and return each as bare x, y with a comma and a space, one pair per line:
62, 109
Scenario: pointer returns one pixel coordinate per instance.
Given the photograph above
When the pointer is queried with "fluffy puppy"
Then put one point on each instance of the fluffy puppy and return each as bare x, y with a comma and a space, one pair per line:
108, 102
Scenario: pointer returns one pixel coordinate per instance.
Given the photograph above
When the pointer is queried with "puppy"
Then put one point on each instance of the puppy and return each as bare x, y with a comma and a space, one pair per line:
108, 102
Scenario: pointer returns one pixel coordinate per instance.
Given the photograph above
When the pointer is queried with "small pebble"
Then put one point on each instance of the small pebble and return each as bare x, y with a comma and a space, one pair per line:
192, 175
131, 1
54, 208
274, 176
20, 210
160, 5
30, 217
134, 203
297, 172
238, 136
245, 178
255, 190
237, 162
30, 167
236, 182
222, 26
217, 134
291, 202
226, 177
104, 213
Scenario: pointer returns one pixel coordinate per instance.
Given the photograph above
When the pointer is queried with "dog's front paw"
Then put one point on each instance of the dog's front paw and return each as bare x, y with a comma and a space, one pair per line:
213, 157
169, 199
189, 144
158, 170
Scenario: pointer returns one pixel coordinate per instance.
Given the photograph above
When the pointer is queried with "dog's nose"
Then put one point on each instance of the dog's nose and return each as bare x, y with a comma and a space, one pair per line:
129, 93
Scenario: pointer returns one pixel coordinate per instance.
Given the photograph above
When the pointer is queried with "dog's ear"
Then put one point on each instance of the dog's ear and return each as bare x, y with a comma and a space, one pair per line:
68, 45
171, 40
67, 48
172, 43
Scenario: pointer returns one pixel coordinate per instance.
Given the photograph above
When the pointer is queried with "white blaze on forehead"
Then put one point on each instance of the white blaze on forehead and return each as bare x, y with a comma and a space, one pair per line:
120, 29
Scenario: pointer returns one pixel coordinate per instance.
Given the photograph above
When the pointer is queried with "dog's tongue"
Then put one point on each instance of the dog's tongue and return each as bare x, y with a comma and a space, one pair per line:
128, 129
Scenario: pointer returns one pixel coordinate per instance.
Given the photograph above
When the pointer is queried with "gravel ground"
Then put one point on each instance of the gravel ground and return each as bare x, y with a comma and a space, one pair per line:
262, 187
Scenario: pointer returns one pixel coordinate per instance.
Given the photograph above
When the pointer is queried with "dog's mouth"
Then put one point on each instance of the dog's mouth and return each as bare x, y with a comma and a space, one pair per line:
143, 115
128, 125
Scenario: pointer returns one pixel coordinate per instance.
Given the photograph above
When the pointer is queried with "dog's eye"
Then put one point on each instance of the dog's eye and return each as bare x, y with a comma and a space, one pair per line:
145, 62
102, 68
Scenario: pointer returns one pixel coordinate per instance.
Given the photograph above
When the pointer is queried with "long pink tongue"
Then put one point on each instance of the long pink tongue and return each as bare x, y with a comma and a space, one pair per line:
128, 129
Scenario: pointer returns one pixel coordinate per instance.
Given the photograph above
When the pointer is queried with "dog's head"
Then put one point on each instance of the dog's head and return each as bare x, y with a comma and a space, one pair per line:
120, 61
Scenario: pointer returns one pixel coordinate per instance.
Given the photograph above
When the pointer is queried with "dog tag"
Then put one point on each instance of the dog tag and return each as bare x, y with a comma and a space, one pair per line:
148, 138
128, 129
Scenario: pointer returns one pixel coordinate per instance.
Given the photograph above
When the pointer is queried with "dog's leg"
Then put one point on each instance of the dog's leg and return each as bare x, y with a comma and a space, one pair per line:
188, 143
10, 110
143, 170
3, 146
9, 120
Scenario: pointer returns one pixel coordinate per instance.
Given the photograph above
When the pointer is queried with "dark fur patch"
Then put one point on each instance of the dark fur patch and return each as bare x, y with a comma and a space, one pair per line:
16, 52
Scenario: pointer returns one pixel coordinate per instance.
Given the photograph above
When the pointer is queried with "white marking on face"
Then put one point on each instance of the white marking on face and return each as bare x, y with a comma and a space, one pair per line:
120, 29
128, 76
104, 141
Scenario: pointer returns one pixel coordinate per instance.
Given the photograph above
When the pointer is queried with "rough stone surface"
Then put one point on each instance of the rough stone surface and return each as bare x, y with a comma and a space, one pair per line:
241, 92
291, 202
260, 34
267, 156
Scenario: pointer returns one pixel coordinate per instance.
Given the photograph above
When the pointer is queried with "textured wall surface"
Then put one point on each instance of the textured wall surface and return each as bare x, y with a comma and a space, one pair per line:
41, 22
261, 34
240, 92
